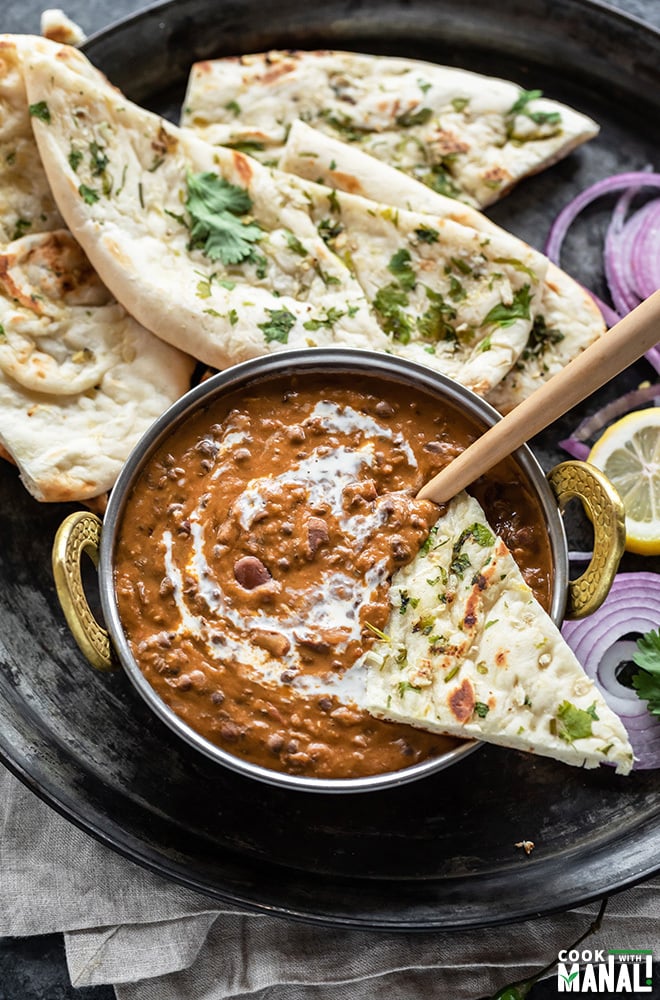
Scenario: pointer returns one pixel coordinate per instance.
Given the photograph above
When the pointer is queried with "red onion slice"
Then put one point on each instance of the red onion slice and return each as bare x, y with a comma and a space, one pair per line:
617, 182
576, 445
600, 644
632, 247
617, 254
645, 259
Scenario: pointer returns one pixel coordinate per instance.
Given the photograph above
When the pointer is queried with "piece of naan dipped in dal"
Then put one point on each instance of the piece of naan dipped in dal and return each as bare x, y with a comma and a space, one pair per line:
471, 653
567, 320
80, 379
461, 133
228, 259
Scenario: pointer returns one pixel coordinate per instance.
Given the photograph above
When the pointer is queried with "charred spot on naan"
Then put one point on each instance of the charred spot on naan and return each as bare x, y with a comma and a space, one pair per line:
277, 70
461, 701
243, 168
445, 143
50, 267
346, 182
164, 142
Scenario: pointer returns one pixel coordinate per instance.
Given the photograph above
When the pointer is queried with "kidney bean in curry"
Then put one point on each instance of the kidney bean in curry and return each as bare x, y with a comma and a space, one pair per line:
254, 559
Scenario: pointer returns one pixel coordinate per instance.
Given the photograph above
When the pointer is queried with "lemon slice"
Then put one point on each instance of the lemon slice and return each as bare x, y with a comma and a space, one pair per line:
629, 455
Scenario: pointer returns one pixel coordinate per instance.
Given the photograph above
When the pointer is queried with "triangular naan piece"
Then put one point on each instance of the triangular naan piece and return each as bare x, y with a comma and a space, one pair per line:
232, 256
80, 380
26, 203
461, 133
205, 247
472, 654
567, 320
448, 296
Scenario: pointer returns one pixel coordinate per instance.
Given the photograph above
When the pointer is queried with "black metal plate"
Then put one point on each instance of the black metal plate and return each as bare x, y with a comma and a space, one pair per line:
439, 853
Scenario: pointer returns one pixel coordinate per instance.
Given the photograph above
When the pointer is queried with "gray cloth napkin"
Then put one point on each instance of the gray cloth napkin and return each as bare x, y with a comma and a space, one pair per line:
154, 940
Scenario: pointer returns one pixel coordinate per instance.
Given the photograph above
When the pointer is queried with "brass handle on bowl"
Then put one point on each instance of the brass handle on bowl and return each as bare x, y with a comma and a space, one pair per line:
604, 508
80, 533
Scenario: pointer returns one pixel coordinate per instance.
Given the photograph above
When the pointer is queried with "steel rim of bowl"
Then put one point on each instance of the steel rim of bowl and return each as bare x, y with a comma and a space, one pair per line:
332, 360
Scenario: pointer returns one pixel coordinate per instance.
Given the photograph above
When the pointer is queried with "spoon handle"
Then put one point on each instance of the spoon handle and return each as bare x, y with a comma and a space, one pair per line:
623, 344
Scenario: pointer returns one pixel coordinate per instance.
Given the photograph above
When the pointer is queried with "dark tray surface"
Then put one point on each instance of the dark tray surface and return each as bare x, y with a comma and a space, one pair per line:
439, 853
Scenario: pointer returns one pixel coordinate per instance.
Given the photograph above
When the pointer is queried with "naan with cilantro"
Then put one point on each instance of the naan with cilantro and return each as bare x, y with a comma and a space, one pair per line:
462, 134
230, 259
471, 653
80, 379
567, 320
203, 246
447, 295
26, 202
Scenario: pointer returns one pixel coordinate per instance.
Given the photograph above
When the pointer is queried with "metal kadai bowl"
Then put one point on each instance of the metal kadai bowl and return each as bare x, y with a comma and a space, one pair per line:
106, 646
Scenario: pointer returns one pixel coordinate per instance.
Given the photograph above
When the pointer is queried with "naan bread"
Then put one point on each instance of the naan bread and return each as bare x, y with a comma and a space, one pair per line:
567, 320
472, 654
397, 281
447, 296
26, 203
273, 284
461, 133
80, 380
56, 26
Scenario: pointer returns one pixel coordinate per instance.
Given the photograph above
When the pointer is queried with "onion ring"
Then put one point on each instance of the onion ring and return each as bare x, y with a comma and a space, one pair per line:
631, 254
602, 641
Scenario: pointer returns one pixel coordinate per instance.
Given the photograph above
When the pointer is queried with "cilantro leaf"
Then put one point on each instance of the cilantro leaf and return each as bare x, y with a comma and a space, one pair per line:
410, 118
434, 323
574, 723
75, 159
401, 268
517, 265
427, 235
524, 98
389, 302
647, 680
214, 206
460, 561
648, 652
88, 194
98, 159
331, 317
520, 107
20, 228
295, 245
278, 326
481, 534
541, 337
504, 315
428, 544
41, 111
647, 687
329, 230
404, 686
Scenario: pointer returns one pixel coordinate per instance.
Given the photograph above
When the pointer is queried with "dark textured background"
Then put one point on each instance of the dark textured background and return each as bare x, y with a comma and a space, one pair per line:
34, 968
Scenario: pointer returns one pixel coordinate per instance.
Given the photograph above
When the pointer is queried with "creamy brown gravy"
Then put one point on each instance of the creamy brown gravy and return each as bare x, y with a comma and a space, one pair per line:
254, 558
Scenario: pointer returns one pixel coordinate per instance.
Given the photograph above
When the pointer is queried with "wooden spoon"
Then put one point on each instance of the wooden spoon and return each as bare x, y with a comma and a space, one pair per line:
624, 343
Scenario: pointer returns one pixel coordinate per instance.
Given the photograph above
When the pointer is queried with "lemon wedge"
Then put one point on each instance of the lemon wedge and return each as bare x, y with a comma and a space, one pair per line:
629, 455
